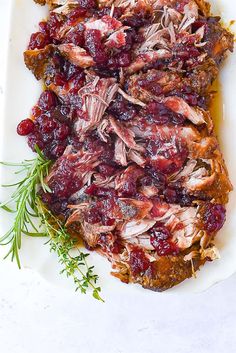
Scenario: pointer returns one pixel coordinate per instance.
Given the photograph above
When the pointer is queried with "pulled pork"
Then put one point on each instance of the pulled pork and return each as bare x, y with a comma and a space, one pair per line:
125, 118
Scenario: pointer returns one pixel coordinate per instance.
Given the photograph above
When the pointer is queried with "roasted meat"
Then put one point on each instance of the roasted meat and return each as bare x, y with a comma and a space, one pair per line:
125, 118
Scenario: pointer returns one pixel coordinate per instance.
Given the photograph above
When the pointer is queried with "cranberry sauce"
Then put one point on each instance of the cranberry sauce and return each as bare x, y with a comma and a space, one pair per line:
122, 110
159, 114
214, 217
139, 262
64, 75
160, 239
50, 127
165, 158
121, 166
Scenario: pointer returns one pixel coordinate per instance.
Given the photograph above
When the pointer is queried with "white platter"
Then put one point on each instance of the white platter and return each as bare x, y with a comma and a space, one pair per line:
22, 91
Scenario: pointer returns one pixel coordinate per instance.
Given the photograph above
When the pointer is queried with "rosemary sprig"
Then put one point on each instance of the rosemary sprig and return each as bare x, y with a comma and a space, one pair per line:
28, 206
24, 201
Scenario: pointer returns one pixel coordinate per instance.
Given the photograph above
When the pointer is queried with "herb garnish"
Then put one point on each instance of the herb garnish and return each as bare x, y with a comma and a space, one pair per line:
28, 208
63, 243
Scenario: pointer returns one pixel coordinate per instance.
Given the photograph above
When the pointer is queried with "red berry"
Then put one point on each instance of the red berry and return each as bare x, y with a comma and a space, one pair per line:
54, 23
47, 125
59, 80
25, 127
47, 100
160, 239
35, 139
95, 46
36, 111
139, 263
62, 132
46, 197
214, 217
124, 59
38, 40
57, 151
76, 37
170, 195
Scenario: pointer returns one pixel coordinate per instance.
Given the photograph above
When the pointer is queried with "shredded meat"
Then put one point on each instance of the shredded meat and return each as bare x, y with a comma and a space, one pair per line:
125, 118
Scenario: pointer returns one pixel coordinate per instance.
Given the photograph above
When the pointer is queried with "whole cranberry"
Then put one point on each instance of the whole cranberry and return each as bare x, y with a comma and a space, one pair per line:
54, 23
159, 179
46, 197
122, 110
116, 248
108, 221
160, 239
75, 36
59, 80
91, 190
76, 185
170, 195
62, 132
36, 111
47, 125
146, 181
124, 59
35, 139
139, 263
164, 248
25, 127
106, 10
214, 217
47, 100
38, 40
159, 233
95, 46
58, 150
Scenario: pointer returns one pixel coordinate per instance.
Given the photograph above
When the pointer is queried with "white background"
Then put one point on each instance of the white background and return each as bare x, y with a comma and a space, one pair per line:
37, 317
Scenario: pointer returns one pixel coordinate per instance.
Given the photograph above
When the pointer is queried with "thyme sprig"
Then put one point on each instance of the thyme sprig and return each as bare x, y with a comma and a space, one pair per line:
29, 209
62, 243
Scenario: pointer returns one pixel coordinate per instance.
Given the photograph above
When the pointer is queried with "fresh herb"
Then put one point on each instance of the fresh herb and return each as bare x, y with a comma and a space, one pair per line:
62, 243
29, 208
24, 200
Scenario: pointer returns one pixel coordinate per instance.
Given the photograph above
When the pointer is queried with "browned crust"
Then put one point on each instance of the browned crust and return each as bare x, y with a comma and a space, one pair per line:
169, 272
38, 59
165, 273
40, 2
219, 185
200, 79
204, 7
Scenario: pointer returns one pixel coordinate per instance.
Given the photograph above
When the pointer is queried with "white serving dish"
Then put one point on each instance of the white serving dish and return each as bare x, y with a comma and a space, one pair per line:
22, 91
